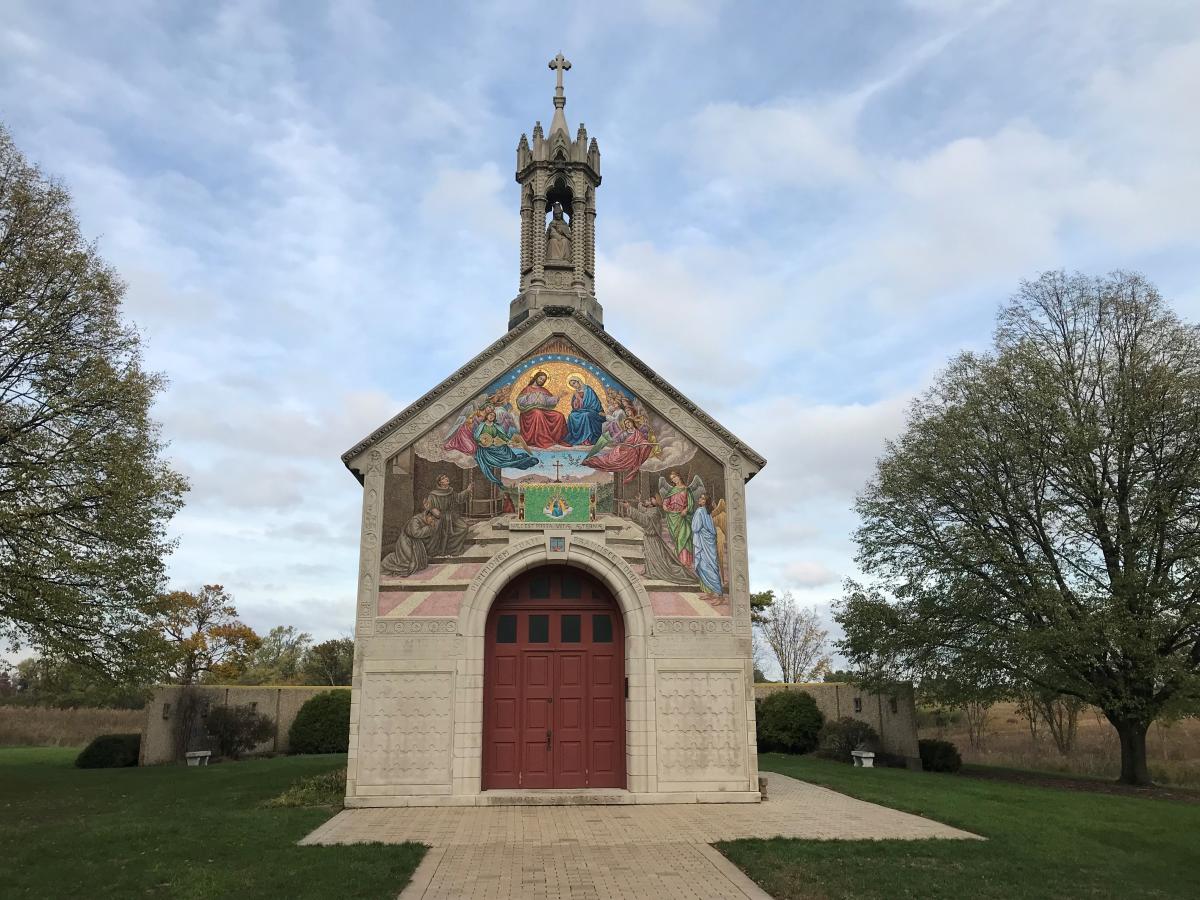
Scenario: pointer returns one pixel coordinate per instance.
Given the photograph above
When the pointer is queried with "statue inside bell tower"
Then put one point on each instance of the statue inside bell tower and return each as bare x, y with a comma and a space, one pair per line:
558, 237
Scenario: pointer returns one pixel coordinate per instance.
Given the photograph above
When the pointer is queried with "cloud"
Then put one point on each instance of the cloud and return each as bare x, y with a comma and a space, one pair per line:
472, 203
764, 148
804, 214
808, 574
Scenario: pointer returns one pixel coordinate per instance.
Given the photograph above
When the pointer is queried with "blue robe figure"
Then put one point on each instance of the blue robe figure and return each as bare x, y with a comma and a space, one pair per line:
492, 451
704, 546
586, 421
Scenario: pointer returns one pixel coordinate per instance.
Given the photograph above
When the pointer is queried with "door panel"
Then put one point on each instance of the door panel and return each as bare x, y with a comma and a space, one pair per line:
537, 719
570, 726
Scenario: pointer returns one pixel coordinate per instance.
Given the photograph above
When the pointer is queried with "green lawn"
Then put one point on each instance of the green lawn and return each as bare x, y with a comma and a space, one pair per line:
1041, 842
171, 831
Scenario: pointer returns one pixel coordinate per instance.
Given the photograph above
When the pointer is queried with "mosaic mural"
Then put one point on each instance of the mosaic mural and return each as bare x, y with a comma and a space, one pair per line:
556, 438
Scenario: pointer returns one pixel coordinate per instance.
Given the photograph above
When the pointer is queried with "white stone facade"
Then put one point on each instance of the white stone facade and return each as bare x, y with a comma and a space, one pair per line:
416, 717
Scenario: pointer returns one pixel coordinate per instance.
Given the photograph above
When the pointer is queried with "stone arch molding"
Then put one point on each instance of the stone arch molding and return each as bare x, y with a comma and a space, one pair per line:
603, 563
589, 556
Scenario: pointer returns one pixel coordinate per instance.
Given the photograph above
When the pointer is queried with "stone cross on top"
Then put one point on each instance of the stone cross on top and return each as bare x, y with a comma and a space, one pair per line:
561, 64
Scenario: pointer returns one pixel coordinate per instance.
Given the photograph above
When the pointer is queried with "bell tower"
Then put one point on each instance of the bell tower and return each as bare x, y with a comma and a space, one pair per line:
558, 178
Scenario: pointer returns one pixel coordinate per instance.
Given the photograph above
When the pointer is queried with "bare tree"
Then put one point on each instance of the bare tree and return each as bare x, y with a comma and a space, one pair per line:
977, 714
797, 639
1060, 713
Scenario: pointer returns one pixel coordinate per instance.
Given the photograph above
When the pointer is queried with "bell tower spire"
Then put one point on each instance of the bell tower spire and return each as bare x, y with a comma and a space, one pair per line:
558, 178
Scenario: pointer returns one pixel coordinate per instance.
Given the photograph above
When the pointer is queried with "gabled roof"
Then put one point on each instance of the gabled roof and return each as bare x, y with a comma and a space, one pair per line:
580, 320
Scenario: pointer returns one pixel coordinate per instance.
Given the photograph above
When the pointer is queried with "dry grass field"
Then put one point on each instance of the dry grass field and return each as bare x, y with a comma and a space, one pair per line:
1173, 749
35, 726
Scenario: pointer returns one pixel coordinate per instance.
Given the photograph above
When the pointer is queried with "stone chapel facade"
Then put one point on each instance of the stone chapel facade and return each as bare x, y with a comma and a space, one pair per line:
553, 591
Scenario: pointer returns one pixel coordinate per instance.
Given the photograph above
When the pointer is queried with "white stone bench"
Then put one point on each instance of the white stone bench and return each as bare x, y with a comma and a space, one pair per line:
864, 759
197, 757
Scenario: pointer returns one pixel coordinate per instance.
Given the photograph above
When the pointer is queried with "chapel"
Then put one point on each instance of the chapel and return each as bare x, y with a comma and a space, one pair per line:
553, 597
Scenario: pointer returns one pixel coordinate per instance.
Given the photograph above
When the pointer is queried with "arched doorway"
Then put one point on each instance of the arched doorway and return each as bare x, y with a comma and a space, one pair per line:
554, 684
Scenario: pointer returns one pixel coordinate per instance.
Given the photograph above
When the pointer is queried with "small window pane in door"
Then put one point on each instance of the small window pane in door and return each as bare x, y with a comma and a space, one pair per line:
570, 629
539, 629
506, 630
602, 628
539, 587
572, 587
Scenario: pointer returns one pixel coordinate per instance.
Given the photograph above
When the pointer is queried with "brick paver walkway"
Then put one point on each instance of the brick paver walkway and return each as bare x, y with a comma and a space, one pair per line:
657, 851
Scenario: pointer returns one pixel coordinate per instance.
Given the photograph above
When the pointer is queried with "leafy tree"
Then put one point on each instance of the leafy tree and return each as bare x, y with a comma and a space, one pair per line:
329, 662
85, 494
844, 676
277, 659
760, 606
206, 638
797, 639
1040, 516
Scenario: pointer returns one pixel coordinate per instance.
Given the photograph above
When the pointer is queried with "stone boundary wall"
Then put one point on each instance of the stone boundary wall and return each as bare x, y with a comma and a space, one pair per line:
280, 702
893, 715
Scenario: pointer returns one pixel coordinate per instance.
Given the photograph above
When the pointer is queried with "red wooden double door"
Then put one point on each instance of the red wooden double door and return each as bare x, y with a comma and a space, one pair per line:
554, 684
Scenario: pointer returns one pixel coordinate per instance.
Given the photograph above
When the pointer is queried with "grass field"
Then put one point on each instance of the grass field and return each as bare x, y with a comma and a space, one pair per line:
171, 831
1173, 747
1040, 842
40, 726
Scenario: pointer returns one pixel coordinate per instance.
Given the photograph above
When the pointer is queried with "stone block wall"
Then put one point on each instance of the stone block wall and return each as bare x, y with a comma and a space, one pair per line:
281, 703
893, 715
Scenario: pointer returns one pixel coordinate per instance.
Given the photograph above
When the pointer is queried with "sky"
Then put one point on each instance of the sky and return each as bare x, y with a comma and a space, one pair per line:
808, 208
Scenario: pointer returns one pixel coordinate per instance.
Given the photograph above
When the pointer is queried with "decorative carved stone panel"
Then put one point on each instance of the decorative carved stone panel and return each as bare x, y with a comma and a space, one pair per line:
405, 728
701, 729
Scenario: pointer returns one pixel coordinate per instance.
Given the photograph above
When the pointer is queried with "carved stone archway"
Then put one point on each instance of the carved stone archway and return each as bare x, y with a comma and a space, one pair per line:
599, 561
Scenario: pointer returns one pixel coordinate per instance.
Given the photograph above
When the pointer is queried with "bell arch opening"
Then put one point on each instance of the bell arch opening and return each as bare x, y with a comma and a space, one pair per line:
554, 685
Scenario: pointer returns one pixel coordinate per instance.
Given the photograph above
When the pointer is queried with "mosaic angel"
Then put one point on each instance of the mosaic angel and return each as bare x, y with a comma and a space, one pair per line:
679, 505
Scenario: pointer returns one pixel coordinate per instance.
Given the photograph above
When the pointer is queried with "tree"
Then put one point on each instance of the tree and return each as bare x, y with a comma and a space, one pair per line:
329, 662
85, 494
1059, 713
796, 638
1040, 515
205, 635
277, 659
50, 681
760, 606
844, 676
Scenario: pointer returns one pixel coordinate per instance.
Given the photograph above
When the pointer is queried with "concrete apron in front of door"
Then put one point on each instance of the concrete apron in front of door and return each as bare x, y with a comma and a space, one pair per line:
659, 851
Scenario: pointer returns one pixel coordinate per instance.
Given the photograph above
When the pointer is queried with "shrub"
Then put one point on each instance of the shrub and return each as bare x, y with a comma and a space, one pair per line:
838, 738
328, 789
236, 729
788, 722
322, 725
885, 760
110, 751
939, 756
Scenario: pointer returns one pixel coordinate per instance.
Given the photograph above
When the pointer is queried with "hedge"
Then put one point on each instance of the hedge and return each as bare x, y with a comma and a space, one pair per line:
939, 756
110, 751
322, 725
788, 722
